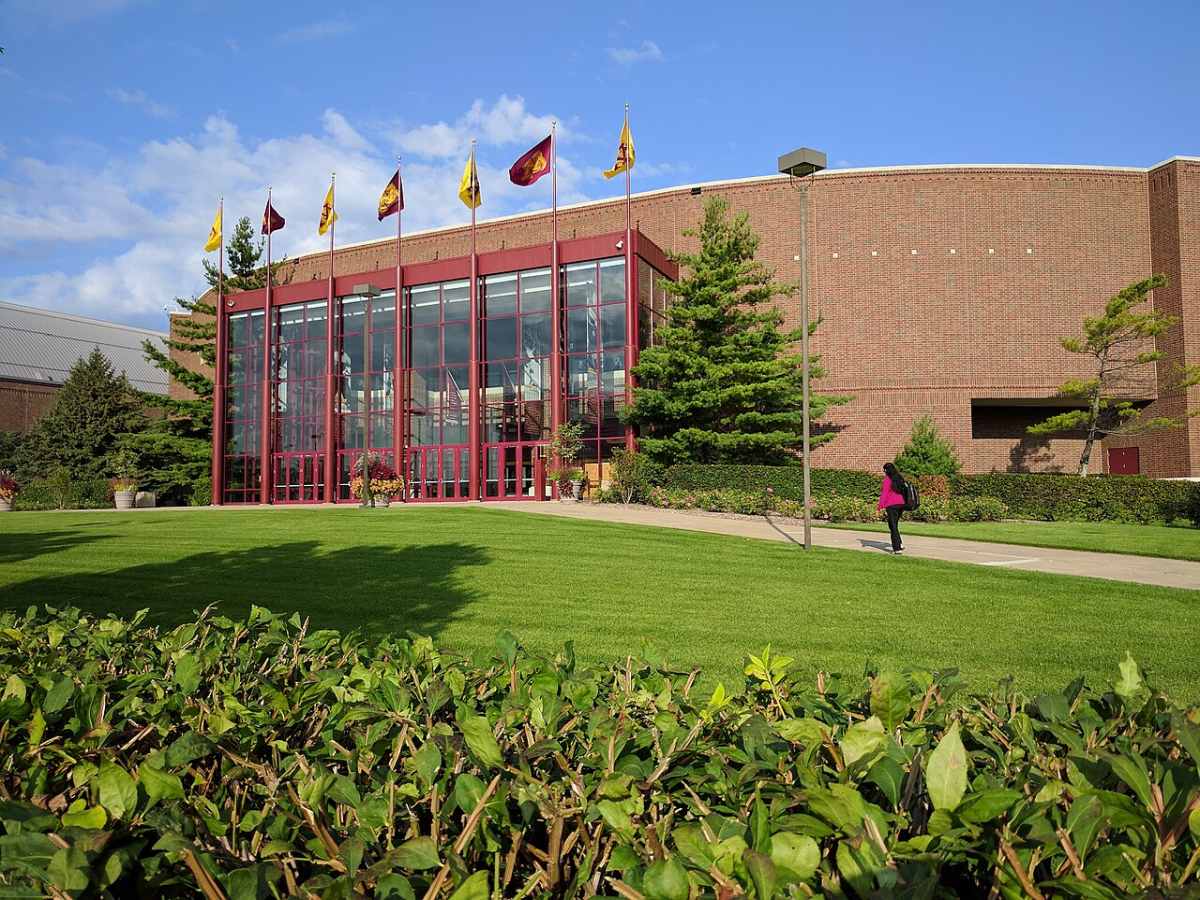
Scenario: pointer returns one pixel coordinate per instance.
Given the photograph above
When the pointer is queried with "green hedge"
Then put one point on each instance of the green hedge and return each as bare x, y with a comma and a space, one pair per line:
89, 494
255, 759
1118, 498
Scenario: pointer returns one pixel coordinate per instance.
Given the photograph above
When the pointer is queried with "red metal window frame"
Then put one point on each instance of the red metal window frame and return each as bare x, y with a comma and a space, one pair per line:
241, 477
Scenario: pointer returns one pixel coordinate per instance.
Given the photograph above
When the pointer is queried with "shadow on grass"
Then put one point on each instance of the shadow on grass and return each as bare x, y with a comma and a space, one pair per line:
378, 589
20, 546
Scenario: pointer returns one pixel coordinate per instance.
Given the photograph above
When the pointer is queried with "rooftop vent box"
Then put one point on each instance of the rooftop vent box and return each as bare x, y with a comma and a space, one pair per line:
802, 162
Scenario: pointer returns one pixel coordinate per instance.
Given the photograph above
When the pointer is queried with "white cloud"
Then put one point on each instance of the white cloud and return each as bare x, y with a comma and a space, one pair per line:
156, 203
142, 101
505, 122
627, 56
316, 31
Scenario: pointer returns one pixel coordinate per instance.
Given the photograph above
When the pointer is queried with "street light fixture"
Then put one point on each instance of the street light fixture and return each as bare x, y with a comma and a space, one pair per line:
800, 164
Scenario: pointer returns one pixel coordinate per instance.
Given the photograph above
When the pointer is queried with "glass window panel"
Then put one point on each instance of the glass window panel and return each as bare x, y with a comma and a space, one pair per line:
383, 345
535, 378
535, 423
612, 326
645, 285
501, 340
612, 281
425, 347
535, 335
501, 375
581, 330
612, 369
291, 323
425, 304
352, 431
500, 295
645, 327
610, 416
581, 374
315, 330
353, 315
383, 312
381, 430
424, 387
581, 284
425, 430
454, 427
492, 472
457, 298
535, 291
238, 330
588, 453
256, 328
381, 393
457, 342
464, 469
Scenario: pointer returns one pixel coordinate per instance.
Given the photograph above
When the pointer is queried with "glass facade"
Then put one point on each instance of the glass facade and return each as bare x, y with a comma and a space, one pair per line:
423, 398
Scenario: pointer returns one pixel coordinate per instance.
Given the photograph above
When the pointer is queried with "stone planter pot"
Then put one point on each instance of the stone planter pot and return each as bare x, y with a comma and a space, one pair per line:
383, 502
5, 506
124, 499
577, 490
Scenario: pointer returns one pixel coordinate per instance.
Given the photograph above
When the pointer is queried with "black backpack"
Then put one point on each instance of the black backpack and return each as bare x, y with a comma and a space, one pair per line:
912, 497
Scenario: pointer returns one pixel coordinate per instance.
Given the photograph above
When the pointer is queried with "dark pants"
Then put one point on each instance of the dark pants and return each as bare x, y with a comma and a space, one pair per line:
893, 519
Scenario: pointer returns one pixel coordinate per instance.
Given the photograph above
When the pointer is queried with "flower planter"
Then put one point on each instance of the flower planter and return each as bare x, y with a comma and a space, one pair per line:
577, 490
5, 506
383, 502
124, 499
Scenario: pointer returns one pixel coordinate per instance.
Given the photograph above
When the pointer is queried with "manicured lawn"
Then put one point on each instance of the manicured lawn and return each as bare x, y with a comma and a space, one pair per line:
1172, 542
462, 575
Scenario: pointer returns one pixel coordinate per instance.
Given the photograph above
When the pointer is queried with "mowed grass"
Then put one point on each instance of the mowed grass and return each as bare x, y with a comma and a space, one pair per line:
464, 574
1168, 541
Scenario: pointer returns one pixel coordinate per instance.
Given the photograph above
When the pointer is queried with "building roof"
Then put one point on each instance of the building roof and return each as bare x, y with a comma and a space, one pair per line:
40, 346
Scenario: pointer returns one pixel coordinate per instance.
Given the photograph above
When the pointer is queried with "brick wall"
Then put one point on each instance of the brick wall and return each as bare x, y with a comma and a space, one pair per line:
1007, 261
22, 404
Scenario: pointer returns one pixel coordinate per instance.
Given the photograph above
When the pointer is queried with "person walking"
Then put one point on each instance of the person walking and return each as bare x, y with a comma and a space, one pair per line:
892, 501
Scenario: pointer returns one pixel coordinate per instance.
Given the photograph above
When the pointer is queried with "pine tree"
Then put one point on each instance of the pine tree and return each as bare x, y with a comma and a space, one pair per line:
92, 410
724, 383
927, 452
1116, 341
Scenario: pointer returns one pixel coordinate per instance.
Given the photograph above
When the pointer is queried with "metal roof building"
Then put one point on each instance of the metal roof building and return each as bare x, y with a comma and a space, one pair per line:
39, 346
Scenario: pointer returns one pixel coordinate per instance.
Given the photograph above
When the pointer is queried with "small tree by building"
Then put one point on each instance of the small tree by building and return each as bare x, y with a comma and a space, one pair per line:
724, 384
927, 452
1115, 341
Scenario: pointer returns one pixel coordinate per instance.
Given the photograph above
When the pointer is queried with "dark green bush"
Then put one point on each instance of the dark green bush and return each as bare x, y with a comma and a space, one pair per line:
787, 481
254, 758
44, 494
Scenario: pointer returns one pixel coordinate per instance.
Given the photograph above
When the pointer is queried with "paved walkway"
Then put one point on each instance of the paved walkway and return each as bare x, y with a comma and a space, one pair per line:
1114, 566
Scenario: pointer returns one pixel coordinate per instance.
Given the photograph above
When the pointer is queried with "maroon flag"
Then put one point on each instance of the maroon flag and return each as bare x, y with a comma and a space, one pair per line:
272, 221
532, 166
392, 199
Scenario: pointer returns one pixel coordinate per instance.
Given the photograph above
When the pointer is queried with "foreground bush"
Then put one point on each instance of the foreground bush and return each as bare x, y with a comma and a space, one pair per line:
256, 759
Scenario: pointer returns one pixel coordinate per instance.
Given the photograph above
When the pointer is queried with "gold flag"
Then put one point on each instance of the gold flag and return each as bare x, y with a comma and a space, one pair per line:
625, 154
214, 234
468, 187
328, 216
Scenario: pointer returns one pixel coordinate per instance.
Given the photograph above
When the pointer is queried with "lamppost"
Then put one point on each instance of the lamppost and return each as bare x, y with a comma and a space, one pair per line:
800, 164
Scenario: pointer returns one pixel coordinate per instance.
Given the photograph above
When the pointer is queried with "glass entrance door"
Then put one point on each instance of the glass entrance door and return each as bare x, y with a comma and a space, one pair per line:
299, 477
438, 473
513, 471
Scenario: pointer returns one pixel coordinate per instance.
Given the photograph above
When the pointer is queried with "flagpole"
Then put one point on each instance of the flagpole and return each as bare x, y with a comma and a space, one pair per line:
218, 416
400, 363
631, 308
556, 378
265, 440
330, 451
473, 491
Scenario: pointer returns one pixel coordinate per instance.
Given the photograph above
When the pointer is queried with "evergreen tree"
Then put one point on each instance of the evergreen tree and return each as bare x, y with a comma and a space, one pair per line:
927, 452
92, 410
724, 384
1116, 341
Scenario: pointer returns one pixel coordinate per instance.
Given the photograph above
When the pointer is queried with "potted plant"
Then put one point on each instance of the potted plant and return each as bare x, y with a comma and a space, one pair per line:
124, 484
576, 478
565, 446
8, 490
380, 485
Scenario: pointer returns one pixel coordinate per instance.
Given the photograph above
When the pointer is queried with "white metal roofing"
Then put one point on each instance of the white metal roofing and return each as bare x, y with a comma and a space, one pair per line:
40, 345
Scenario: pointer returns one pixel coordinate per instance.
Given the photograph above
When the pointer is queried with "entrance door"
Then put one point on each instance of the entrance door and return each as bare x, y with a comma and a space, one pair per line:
438, 473
299, 477
510, 472
1124, 461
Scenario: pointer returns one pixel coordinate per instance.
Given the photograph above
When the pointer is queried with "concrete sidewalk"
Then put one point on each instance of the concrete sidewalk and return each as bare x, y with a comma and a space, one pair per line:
1113, 566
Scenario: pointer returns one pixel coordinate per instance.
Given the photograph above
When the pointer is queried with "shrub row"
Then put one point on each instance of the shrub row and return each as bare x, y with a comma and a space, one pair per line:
92, 493
1121, 498
255, 758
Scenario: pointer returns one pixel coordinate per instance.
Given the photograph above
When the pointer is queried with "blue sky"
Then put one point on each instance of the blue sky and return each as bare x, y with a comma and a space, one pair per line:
125, 119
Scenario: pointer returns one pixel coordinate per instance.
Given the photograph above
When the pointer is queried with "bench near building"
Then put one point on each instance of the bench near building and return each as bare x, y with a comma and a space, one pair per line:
941, 290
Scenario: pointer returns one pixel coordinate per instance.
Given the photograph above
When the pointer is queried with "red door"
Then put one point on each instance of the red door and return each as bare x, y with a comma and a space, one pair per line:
1124, 461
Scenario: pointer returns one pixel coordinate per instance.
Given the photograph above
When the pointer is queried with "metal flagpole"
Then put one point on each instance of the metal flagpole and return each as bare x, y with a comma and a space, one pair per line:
473, 491
556, 376
400, 365
218, 415
631, 309
265, 441
330, 445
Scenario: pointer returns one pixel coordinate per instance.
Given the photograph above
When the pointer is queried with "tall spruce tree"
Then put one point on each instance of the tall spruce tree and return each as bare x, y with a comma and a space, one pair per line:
724, 383
92, 410
175, 451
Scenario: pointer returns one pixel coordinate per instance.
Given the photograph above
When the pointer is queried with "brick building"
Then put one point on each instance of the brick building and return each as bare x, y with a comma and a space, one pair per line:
942, 290
38, 347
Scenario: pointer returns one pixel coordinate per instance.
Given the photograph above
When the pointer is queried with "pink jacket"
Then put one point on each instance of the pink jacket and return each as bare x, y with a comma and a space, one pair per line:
888, 495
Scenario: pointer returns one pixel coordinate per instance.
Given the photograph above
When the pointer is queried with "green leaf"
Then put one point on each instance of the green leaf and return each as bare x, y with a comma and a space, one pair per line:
796, 856
1188, 734
187, 747
617, 818
862, 740
59, 695
343, 790
427, 761
474, 888
159, 785
1130, 685
480, 740
467, 791
417, 854
760, 826
118, 791
68, 870
665, 880
78, 815
1084, 821
690, 842
187, 673
395, 886
887, 775
1131, 769
987, 805
802, 731
37, 728
946, 771
243, 884
891, 699
14, 689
